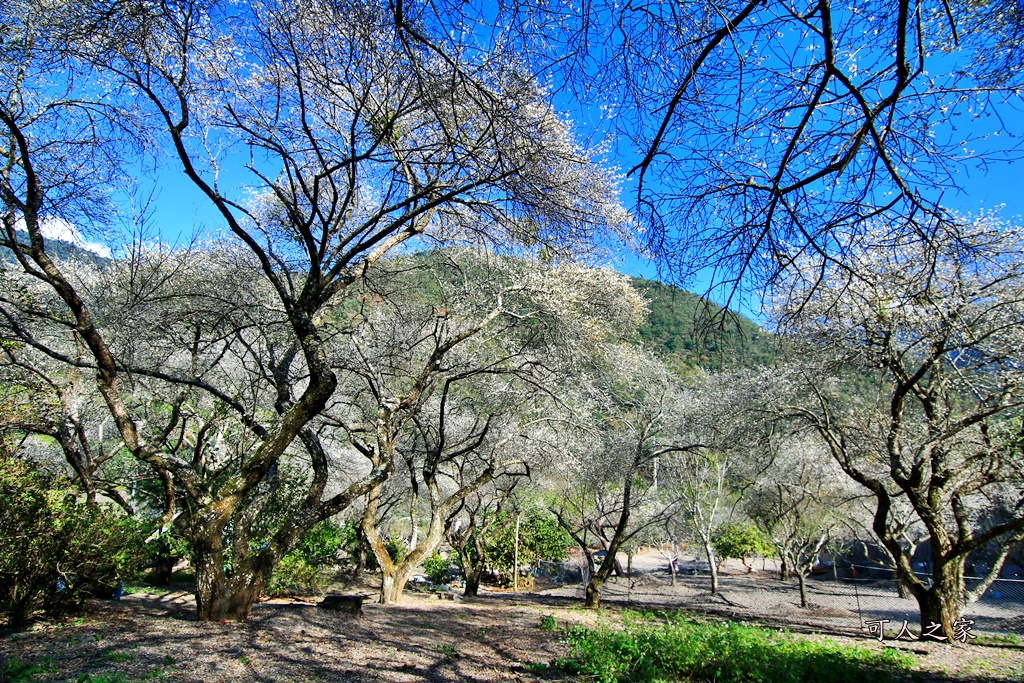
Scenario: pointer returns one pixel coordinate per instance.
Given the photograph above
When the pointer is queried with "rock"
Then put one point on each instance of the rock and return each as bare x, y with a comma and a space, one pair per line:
353, 604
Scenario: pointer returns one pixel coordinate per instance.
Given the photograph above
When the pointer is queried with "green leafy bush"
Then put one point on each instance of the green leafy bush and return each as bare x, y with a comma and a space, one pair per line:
294, 575
540, 538
57, 551
353, 540
741, 541
395, 547
680, 649
436, 567
320, 545
308, 565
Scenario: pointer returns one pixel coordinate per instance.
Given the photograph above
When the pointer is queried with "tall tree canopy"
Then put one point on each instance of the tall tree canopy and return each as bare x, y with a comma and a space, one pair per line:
323, 139
757, 130
934, 330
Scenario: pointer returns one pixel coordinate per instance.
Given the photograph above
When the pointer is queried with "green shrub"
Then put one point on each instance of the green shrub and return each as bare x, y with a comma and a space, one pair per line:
294, 575
540, 538
352, 540
320, 545
678, 649
436, 567
308, 565
741, 541
58, 552
395, 547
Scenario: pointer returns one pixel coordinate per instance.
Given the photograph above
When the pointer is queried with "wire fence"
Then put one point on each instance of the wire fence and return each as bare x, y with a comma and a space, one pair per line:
848, 596
558, 572
999, 591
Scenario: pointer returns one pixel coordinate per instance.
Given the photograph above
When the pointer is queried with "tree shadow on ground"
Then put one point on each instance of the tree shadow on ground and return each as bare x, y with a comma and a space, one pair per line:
155, 636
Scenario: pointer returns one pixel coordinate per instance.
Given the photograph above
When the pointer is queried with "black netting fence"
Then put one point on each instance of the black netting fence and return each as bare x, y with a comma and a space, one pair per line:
559, 572
850, 597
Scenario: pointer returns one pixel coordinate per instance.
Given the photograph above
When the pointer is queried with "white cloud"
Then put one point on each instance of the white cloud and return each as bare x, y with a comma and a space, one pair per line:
60, 229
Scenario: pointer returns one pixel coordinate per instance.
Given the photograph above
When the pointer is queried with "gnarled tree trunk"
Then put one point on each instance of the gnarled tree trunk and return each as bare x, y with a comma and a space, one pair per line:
395, 573
941, 603
223, 595
596, 583
472, 569
472, 588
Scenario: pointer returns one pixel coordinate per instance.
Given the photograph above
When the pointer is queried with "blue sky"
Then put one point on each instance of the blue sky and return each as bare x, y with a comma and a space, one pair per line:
180, 212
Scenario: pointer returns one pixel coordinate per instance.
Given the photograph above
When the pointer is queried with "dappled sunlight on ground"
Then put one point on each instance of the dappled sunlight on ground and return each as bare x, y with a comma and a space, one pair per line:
154, 635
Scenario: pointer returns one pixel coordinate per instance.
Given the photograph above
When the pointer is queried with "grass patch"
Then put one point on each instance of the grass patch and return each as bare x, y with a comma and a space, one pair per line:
995, 639
115, 677
118, 657
676, 648
160, 673
17, 671
447, 650
145, 589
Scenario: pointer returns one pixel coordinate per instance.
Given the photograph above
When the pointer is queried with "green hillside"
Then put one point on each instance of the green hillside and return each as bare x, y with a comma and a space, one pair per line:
691, 332
682, 327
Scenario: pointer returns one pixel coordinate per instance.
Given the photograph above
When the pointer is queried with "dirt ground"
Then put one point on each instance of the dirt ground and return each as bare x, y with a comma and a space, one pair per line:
835, 607
154, 636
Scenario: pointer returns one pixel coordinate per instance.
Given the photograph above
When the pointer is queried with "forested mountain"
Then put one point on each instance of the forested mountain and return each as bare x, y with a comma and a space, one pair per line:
692, 332
682, 327
61, 250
